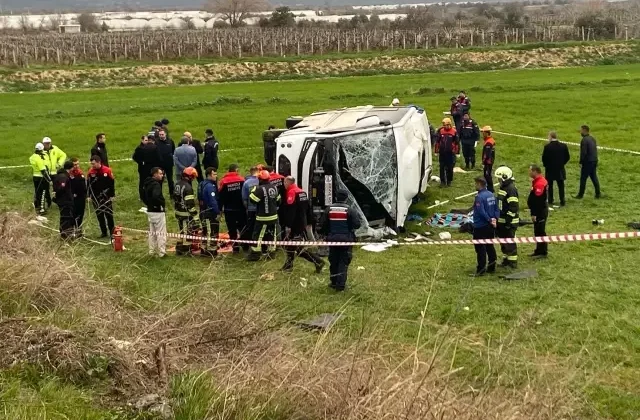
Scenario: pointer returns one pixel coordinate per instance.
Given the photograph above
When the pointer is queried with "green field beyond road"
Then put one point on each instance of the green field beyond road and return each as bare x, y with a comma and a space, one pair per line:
575, 328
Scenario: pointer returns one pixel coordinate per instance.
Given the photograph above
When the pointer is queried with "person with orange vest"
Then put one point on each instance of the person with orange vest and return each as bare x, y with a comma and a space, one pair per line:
297, 218
539, 208
230, 202
488, 156
447, 148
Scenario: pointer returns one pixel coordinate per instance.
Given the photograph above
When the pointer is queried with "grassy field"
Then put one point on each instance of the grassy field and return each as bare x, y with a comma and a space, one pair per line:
571, 335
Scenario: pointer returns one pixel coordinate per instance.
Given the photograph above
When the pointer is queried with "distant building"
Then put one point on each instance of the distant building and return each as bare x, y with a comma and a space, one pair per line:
69, 29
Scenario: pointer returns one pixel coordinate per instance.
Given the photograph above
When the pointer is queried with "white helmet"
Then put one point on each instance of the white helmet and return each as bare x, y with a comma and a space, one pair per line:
46, 140
504, 173
395, 102
39, 147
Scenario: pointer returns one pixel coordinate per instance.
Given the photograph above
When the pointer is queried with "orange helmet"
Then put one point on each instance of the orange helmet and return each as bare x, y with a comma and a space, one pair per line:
264, 175
190, 173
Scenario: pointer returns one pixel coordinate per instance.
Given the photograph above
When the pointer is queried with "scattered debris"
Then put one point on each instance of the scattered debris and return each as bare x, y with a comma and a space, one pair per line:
303, 282
521, 275
597, 222
376, 247
444, 235
459, 170
120, 344
322, 323
360, 268
466, 308
267, 276
437, 180
414, 218
634, 225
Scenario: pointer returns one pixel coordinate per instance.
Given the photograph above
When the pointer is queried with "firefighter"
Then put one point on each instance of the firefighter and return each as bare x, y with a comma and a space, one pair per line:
101, 189
79, 190
340, 224
447, 147
41, 178
55, 160
230, 202
297, 217
539, 208
485, 219
249, 182
209, 212
266, 197
469, 136
186, 210
488, 156
278, 181
63, 197
509, 206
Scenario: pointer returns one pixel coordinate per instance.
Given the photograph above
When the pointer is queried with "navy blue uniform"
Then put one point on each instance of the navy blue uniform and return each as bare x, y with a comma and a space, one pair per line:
209, 212
485, 208
340, 223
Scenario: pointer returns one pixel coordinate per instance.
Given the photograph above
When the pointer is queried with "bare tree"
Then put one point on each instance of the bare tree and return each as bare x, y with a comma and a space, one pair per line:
55, 21
25, 24
236, 11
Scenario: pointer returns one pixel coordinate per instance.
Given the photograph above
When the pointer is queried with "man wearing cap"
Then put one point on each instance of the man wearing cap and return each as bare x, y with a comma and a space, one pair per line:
230, 201
488, 156
447, 147
266, 198
166, 147
41, 178
199, 151
100, 148
102, 189
340, 224
210, 159
485, 219
469, 136
64, 199
184, 157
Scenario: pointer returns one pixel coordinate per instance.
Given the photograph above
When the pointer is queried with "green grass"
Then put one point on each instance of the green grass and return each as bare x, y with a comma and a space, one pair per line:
575, 325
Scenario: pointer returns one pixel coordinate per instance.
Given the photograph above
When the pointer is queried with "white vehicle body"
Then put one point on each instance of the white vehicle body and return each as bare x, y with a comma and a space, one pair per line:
381, 155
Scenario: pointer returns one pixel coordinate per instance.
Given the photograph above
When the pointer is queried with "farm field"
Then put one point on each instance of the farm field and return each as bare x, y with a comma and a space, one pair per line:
563, 345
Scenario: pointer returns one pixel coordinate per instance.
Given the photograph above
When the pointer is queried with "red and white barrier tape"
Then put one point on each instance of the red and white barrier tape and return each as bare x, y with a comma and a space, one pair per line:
610, 149
525, 240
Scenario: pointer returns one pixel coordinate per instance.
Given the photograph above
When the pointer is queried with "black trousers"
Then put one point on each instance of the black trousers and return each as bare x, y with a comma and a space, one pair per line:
484, 251
510, 251
67, 221
104, 213
540, 229
446, 170
79, 207
210, 224
589, 170
168, 175
488, 176
300, 251
236, 224
41, 199
560, 183
339, 260
469, 153
263, 231
247, 234
141, 186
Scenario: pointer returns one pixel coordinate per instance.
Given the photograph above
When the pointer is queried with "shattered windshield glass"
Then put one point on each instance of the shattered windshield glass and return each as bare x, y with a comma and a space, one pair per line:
367, 166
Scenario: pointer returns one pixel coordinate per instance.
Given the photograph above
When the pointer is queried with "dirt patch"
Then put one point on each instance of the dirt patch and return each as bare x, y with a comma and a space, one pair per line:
156, 75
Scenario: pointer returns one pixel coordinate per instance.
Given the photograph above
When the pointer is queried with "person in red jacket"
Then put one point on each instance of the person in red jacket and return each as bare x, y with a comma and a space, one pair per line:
101, 189
230, 202
447, 147
488, 156
539, 208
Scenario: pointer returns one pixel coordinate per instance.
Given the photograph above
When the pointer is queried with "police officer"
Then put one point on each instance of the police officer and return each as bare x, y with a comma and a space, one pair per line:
55, 160
488, 156
266, 197
101, 188
41, 178
211, 145
79, 190
539, 208
63, 197
209, 212
185, 209
447, 147
340, 224
230, 202
469, 136
485, 218
509, 206
297, 217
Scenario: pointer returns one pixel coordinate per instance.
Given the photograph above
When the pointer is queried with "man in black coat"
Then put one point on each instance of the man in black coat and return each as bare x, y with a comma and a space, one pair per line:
147, 157
588, 162
64, 200
166, 147
211, 145
100, 148
554, 158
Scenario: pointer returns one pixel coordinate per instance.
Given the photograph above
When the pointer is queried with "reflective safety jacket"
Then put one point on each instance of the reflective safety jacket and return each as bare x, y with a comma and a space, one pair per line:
489, 151
55, 158
266, 198
508, 204
185, 200
39, 164
340, 223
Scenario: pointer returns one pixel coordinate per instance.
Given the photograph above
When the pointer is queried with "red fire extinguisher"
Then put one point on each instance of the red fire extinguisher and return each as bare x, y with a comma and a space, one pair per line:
118, 243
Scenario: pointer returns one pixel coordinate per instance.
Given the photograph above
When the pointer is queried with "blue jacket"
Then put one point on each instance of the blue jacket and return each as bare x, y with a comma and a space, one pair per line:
208, 197
249, 183
485, 208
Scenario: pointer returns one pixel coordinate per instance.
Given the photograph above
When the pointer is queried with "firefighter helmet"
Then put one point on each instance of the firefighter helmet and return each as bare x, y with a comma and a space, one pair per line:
504, 173
446, 121
190, 173
486, 129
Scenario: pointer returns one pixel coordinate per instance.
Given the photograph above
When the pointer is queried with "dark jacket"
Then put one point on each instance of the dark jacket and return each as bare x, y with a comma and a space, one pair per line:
469, 133
485, 208
185, 200
554, 157
537, 201
101, 184
208, 197
266, 197
230, 192
147, 158
78, 185
296, 211
489, 151
509, 205
100, 149
62, 189
165, 152
340, 223
588, 150
199, 150
153, 197
210, 159
447, 142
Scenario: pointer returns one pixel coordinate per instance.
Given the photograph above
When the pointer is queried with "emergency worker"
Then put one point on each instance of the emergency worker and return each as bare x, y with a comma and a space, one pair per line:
63, 197
278, 181
249, 182
186, 210
447, 147
211, 146
55, 160
79, 190
209, 212
485, 219
340, 224
102, 189
41, 178
297, 217
230, 202
266, 198
509, 220
539, 208
469, 136
100, 148
488, 156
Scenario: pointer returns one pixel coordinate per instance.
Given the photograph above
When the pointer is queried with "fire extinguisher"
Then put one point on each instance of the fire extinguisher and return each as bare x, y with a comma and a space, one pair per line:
118, 243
